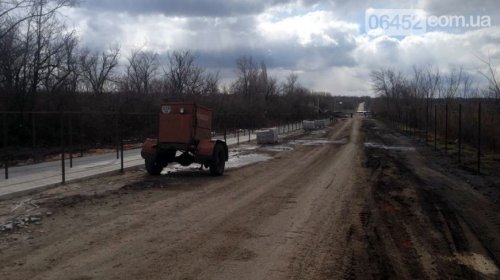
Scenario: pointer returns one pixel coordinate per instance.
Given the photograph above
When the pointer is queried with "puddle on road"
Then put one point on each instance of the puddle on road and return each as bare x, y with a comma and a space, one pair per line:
341, 141
241, 148
236, 160
171, 168
243, 160
277, 148
310, 142
479, 263
381, 146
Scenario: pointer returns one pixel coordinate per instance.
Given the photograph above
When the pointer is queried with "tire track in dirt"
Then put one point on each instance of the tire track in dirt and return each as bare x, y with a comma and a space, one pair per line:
415, 228
184, 230
334, 250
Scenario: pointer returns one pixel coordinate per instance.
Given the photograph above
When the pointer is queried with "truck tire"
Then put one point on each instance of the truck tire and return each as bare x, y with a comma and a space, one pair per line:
218, 161
153, 167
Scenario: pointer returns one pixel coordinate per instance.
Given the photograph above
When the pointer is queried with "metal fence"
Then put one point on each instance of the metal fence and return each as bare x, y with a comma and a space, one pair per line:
453, 127
39, 137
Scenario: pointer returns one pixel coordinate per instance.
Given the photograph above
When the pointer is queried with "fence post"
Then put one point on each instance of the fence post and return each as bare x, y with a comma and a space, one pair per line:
479, 139
120, 133
435, 127
249, 135
225, 134
446, 130
427, 120
408, 128
80, 126
5, 143
403, 122
63, 166
121, 154
33, 129
459, 133
70, 120
238, 135
414, 123
117, 138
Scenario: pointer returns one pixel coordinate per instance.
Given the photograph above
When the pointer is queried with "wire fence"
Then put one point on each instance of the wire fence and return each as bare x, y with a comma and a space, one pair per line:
465, 131
39, 137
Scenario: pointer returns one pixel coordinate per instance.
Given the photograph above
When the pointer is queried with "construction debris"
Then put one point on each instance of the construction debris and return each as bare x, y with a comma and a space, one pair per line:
316, 124
21, 222
267, 136
308, 125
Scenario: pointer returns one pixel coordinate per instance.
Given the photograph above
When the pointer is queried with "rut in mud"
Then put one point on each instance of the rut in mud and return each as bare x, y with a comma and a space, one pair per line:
413, 227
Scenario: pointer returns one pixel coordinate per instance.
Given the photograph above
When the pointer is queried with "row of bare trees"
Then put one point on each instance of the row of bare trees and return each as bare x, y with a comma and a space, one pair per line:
431, 101
43, 68
40, 55
36, 50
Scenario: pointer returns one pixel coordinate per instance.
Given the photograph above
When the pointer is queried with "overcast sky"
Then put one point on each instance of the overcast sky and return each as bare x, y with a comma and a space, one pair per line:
324, 42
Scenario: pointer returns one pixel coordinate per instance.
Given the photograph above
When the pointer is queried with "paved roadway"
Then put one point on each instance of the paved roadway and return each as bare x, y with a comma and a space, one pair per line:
28, 178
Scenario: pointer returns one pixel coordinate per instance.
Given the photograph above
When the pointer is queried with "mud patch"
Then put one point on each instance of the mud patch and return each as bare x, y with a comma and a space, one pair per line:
73, 200
228, 252
411, 224
385, 147
318, 132
479, 263
311, 142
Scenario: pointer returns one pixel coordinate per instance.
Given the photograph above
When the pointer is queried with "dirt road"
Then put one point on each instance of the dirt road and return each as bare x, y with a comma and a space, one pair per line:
335, 210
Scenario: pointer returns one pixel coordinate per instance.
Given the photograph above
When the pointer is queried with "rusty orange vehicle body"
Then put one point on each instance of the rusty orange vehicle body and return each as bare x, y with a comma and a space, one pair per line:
185, 137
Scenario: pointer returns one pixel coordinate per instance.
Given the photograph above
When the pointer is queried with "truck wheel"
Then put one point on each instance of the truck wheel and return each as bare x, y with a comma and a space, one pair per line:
153, 167
218, 161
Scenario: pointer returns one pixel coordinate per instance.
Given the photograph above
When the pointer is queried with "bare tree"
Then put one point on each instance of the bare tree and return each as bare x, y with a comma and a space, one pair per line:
53, 49
248, 74
466, 85
291, 83
37, 50
211, 84
141, 70
97, 68
453, 83
183, 76
390, 84
15, 12
432, 80
492, 76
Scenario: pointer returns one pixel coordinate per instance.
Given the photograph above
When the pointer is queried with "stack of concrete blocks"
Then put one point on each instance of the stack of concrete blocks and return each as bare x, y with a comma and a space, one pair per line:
319, 124
267, 136
308, 125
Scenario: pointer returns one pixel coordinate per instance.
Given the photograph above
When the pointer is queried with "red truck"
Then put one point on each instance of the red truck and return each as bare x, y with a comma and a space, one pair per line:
185, 137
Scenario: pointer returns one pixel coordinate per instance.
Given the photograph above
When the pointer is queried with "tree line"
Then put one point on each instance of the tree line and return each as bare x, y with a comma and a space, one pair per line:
44, 68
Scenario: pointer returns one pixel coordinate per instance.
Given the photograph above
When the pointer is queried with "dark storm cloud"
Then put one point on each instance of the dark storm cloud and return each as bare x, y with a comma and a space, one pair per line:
282, 55
320, 40
209, 8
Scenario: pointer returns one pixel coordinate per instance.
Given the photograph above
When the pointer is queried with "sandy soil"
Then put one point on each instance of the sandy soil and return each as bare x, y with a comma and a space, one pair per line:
328, 210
